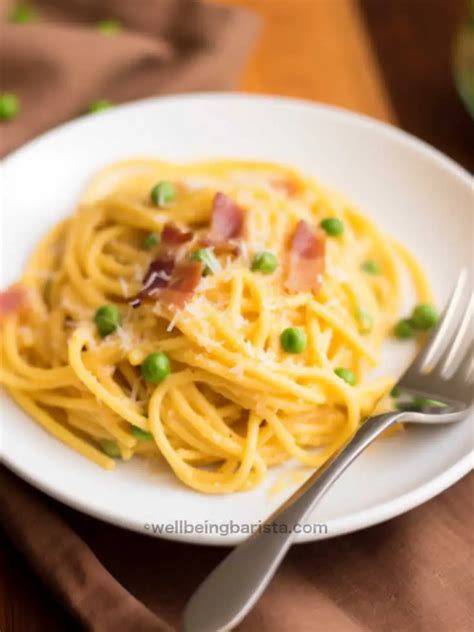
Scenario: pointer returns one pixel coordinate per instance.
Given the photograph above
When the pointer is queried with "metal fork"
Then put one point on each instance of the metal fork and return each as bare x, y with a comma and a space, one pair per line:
436, 388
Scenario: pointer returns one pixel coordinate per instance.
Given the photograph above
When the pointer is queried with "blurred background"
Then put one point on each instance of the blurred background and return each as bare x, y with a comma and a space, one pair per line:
423, 49
394, 59
408, 62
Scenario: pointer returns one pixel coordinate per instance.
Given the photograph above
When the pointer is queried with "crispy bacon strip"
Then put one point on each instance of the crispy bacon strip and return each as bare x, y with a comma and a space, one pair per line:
306, 263
157, 277
185, 279
161, 269
13, 300
227, 220
223, 248
229, 248
173, 283
174, 236
158, 274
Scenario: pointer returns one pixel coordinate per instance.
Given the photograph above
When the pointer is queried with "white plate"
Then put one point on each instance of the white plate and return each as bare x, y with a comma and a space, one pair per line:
413, 191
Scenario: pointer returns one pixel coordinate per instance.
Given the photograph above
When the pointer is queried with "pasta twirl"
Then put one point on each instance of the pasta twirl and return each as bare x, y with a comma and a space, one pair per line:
239, 397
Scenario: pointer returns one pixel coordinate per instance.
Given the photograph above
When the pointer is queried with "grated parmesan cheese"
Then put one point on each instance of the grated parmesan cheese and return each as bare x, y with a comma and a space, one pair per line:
134, 391
123, 286
194, 184
160, 274
336, 273
138, 273
173, 321
244, 252
238, 370
125, 339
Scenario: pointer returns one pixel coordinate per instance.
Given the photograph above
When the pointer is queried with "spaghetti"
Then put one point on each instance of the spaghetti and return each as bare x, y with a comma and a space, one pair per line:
206, 273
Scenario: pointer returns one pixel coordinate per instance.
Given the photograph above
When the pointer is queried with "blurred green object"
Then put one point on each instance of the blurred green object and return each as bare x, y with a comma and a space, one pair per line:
22, 13
98, 106
464, 60
9, 106
110, 27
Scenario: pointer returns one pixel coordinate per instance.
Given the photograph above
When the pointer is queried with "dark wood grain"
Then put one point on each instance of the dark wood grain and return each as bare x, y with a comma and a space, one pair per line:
412, 40
25, 604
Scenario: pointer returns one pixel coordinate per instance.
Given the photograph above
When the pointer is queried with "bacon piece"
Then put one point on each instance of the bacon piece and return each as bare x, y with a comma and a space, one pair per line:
223, 248
172, 284
157, 277
229, 248
185, 279
13, 300
227, 220
160, 270
307, 259
286, 185
174, 236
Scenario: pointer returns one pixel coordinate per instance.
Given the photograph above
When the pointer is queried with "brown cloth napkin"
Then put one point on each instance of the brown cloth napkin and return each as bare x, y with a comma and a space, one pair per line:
407, 575
62, 62
411, 574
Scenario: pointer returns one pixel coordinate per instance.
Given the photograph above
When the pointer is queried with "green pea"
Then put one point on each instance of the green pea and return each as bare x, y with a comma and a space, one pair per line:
424, 317
22, 13
110, 448
156, 367
265, 262
419, 403
293, 340
423, 402
347, 375
163, 193
366, 322
333, 226
141, 435
371, 267
395, 392
404, 329
208, 258
99, 106
9, 106
151, 241
107, 318
110, 27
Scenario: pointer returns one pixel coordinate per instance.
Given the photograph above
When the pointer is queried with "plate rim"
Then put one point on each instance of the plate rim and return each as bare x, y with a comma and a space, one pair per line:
385, 127
336, 527
339, 526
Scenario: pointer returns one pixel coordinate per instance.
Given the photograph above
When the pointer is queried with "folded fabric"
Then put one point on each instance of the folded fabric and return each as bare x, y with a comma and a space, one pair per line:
411, 574
67, 565
71, 54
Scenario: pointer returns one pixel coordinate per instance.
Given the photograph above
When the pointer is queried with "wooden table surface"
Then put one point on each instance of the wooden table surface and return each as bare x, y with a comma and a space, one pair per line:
386, 58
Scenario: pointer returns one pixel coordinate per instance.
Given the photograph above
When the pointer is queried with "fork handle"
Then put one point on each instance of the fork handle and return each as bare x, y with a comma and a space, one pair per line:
230, 591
